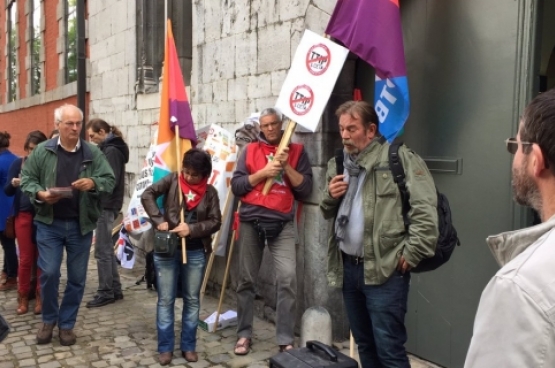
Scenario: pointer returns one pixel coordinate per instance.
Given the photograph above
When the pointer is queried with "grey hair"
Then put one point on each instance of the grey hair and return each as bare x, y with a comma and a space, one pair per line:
271, 111
59, 111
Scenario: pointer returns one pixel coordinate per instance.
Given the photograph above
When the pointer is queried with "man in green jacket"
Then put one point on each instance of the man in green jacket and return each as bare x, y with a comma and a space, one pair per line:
370, 252
65, 178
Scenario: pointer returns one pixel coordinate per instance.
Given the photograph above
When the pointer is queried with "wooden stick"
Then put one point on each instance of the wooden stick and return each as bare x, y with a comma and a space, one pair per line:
182, 215
226, 273
215, 242
287, 134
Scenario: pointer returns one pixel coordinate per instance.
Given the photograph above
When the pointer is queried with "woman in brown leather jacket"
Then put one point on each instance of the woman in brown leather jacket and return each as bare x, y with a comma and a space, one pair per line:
201, 208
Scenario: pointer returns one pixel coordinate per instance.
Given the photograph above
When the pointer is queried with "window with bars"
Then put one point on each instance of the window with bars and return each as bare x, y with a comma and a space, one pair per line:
71, 40
151, 40
36, 44
12, 51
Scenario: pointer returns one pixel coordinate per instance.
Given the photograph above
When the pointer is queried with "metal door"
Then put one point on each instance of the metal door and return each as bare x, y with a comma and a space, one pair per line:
469, 68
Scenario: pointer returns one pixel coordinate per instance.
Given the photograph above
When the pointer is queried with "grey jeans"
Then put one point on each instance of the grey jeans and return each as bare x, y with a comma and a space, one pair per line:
108, 276
250, 257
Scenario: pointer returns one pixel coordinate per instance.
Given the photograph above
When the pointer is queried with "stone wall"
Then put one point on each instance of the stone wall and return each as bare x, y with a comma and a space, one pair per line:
113, 62
242, 51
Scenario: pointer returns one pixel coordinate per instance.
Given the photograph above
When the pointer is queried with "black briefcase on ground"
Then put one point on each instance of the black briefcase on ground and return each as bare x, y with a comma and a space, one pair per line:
315, 355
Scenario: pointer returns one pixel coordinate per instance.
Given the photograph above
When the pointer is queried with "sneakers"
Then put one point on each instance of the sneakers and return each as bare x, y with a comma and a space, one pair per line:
100, 301
67, 337
9, 284
44, 336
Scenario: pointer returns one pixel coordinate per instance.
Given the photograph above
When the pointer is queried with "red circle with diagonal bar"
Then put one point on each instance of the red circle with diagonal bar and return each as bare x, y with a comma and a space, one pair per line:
318, 59
301, 100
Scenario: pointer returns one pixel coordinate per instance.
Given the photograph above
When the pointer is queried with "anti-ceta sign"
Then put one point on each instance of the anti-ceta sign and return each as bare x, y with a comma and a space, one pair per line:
301, 100
310, 81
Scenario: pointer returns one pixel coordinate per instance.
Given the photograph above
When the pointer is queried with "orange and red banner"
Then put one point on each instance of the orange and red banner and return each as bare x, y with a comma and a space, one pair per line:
174, 111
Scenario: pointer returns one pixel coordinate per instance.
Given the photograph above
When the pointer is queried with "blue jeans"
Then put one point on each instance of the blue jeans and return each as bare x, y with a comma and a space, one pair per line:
377, 317
191, 273
51, 240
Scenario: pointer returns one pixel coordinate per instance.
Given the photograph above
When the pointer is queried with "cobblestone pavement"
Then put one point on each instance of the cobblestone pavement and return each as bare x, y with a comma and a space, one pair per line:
123, 334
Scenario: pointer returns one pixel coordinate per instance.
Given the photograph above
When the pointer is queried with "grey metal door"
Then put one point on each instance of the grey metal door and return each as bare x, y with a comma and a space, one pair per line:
468, 65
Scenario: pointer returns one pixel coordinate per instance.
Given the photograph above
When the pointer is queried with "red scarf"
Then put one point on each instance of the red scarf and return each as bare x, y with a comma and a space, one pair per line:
192, 193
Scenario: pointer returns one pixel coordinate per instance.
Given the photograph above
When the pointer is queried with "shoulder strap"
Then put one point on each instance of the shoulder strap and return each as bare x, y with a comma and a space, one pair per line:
398, 172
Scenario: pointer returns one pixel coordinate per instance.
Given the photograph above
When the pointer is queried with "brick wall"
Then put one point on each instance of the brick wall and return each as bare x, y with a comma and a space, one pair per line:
20, 122
29, 113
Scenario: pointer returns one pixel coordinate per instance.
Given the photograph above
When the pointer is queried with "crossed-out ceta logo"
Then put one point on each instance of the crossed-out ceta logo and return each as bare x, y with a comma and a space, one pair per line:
279, 177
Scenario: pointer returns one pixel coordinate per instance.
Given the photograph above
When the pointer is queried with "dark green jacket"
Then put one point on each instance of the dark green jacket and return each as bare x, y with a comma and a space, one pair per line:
39, 173
385, 238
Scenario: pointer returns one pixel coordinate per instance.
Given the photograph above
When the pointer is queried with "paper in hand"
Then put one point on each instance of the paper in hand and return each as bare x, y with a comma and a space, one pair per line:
64, 192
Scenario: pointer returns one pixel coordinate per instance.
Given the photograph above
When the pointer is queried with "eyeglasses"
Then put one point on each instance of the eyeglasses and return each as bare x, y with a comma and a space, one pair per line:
70, 124
512, 145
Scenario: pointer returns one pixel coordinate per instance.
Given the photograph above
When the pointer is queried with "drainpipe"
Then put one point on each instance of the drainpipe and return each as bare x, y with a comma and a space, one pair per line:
81, 58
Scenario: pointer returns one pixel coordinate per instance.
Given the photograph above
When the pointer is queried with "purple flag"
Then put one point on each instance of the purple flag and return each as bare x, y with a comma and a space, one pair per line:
372, 30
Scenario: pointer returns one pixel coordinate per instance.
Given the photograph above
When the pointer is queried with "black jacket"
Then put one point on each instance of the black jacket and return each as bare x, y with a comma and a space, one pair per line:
117, 154
209, 217
21, 202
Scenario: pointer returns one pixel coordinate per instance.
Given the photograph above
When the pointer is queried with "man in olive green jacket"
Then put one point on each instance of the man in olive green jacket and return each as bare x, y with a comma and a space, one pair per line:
65, 178
370, 252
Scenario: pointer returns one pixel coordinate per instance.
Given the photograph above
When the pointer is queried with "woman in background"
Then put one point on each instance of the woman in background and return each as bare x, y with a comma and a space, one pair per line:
24, 229
54, 134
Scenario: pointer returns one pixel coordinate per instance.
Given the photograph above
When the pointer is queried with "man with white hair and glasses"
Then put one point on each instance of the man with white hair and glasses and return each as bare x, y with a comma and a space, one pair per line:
65, 178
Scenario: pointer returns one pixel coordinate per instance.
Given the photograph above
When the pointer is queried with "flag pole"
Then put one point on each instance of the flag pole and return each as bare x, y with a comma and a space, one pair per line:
166, 17
228, 202
285, 139
226, 274
182, 216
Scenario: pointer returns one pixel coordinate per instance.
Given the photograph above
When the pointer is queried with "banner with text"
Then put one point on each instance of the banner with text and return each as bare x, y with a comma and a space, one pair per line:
220, 144
215, 140
135, 219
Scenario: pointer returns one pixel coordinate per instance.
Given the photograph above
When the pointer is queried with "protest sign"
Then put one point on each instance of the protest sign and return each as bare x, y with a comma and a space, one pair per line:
135, 219
310, 81
220, 144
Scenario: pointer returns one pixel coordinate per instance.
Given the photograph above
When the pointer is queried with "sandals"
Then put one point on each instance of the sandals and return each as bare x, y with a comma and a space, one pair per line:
283, 348
243, 348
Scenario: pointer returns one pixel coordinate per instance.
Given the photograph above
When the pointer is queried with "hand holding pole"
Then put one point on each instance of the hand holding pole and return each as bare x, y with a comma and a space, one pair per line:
285, 139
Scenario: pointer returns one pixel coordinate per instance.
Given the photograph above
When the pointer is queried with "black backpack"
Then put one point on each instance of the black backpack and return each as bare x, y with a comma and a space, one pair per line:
448, 238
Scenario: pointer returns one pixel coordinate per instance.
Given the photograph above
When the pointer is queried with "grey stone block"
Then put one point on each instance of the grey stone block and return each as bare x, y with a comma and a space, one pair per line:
274, 45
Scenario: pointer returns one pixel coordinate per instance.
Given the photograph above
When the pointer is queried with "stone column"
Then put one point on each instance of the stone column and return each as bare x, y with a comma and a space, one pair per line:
313, 286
